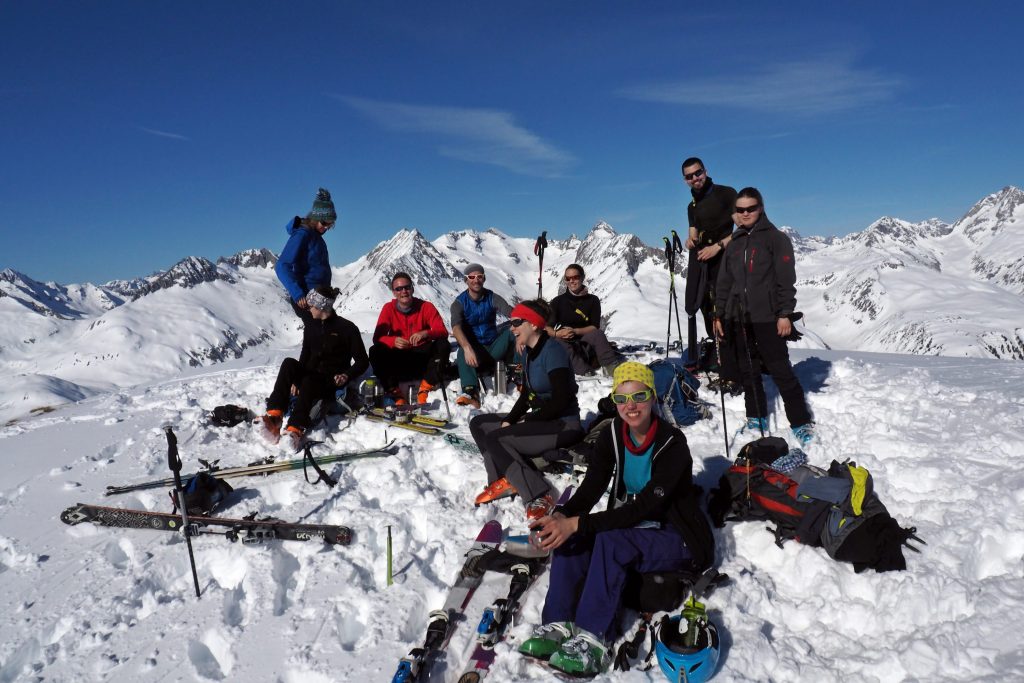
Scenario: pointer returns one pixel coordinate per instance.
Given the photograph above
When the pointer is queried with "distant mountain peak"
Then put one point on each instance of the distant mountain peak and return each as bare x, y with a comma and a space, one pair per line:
602, 228
251, 258
14, 277
991, 215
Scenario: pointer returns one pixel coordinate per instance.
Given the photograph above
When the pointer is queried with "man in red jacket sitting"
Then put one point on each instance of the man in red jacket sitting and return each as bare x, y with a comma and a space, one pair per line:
410, 342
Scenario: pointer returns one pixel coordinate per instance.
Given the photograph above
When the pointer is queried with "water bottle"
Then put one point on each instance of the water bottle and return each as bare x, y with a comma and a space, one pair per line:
367, 391
500, 378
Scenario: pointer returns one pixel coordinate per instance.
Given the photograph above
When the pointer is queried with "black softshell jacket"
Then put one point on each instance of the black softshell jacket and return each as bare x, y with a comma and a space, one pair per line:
333, 347
757, 279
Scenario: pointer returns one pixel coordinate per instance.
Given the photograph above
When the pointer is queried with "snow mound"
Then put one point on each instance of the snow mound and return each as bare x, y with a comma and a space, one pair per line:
38, 394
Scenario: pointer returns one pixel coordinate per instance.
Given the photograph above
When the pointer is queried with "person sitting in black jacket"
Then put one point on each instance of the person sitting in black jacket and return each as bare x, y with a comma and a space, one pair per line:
576, 324
332, 354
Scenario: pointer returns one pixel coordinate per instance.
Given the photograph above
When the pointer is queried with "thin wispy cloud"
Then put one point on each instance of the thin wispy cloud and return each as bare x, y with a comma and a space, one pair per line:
483, 136
162, 133
743, 138
821, 86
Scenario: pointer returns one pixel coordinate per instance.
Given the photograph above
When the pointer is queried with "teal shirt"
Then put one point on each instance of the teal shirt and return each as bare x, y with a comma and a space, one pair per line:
638, 469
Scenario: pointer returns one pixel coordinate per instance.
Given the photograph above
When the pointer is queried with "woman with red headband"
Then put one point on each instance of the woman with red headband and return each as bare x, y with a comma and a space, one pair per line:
546, 416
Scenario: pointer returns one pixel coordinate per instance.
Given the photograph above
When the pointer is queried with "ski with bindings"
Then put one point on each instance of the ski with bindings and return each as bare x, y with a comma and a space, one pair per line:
419, 662
498, 617
258, 468
404, 416
410, 426
525, 564
248, 529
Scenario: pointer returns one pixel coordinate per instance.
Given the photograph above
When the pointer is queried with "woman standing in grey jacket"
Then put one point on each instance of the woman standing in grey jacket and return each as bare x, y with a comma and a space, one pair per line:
756, 299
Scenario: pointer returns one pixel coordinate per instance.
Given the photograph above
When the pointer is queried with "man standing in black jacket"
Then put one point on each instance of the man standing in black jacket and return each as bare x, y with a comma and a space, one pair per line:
332, 354
710, 219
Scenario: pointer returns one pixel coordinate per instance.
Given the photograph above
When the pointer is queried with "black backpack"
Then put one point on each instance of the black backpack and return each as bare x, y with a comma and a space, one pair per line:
204, 493
230, 415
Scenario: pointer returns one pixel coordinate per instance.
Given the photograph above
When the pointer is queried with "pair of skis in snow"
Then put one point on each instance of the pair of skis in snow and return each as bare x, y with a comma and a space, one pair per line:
427, 660
248, 529
483, 556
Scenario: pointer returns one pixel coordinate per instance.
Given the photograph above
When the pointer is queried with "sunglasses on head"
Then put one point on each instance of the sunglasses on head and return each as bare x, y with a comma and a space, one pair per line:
696, 174
748, 209
402, 288
641, 396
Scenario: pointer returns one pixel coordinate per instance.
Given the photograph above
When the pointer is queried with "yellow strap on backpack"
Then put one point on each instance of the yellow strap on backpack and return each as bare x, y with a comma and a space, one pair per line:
859, 478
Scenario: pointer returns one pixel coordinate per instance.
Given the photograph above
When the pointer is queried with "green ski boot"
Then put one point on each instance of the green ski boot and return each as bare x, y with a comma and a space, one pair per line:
546, 639
582, 656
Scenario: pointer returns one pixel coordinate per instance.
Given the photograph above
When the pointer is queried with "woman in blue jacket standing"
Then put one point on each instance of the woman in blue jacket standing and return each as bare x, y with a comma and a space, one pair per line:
304, 263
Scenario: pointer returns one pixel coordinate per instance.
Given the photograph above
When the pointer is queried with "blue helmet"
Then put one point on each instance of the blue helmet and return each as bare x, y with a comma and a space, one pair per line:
690, 656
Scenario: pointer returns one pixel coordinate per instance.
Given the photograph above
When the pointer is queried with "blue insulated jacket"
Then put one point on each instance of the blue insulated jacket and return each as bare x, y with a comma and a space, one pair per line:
480, 316
304, 262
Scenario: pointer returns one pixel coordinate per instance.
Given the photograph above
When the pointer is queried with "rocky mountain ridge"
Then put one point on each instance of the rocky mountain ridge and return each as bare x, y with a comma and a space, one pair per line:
897, 286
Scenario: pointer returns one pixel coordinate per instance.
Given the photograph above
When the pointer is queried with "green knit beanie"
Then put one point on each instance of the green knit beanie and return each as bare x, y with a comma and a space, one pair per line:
323, 208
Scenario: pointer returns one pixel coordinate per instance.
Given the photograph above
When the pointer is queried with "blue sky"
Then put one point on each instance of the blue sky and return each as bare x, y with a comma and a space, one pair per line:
134, 134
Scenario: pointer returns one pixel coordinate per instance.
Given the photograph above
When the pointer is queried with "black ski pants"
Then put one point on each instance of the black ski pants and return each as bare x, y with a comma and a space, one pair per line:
312, 387
758, 347
393, 366
508, 451
581, 348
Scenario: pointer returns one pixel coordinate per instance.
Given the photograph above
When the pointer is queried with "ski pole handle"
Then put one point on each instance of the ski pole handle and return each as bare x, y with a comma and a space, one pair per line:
541, 244
173, 461
677, 244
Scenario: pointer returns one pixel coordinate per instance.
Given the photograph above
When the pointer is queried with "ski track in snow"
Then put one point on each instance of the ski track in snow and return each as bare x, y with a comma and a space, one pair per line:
941, 436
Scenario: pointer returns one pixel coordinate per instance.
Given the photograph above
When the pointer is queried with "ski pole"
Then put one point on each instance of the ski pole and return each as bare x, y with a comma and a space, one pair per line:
444, 389
754, 380
538, 249
390, 575
670, 258
174, 462
691, 319
677, 248
679, 327
721, 387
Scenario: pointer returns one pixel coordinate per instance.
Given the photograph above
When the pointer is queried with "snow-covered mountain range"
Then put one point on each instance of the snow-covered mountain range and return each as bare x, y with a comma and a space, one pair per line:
926, 288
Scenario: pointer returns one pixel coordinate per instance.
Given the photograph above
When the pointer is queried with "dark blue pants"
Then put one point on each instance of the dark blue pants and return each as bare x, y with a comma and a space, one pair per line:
589, 573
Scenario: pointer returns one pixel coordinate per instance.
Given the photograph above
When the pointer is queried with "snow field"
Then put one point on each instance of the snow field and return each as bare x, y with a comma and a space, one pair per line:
941, 436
